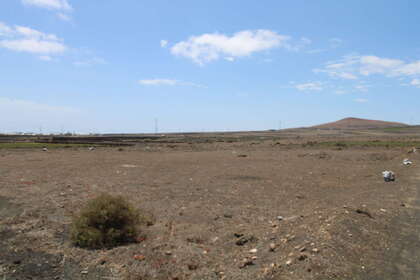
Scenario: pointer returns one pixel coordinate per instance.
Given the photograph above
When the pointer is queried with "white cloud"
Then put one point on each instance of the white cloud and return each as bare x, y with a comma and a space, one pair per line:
298, 45
361, 100
361, 87
4, 29
89, 62
335, 42
353, 67
311, 86
167, 82
209, 47
229, 58
410, 69
49, 4
340, 92
163, 43
376, 65
64, 17
25, 39
33, 46
415, 82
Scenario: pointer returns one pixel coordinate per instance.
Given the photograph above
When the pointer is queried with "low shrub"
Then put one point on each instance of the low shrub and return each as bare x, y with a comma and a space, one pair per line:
106, 221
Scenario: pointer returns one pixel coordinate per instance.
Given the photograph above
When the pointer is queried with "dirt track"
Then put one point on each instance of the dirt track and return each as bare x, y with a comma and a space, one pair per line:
339, 217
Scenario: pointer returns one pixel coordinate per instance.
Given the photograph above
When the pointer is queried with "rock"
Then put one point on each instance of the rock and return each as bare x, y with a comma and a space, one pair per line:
289, 262
245, 239
228, 215
272, 247
280, 218
364, 212
389, 176
84, 272
168, 253
246, 262
302, 257
253, 251
315, 250
192, 267
302, 249
139, 257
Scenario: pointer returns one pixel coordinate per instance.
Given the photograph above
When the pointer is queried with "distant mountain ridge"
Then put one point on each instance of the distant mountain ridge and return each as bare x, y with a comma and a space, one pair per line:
356, 123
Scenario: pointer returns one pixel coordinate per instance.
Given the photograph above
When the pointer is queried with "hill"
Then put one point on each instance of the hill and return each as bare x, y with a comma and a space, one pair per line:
356, 123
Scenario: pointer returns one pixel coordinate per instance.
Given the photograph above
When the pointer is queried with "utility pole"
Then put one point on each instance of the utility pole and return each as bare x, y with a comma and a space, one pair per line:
156, 126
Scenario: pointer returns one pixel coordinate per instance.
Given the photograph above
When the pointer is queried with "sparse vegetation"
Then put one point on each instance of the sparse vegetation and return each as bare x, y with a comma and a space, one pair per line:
32, 145
106, 221
371, 143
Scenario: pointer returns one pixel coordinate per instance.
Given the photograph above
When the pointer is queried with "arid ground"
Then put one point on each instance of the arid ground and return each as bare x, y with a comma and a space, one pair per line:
276, 205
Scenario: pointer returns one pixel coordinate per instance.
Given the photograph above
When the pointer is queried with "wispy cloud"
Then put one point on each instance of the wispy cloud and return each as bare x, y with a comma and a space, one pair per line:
335, 42
46, 58
61, 5
415, 82
310, 86
361, 87
167, 82
90, 62
353, 67
163, 43
25, 39
361, 100
213, 46
64, 17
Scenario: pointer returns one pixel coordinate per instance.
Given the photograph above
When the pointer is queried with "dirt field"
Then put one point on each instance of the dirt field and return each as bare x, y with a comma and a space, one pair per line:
216, 205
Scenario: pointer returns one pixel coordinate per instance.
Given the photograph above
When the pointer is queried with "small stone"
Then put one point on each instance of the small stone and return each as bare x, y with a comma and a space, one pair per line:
289, 262
253, 251
84, 272
302, 257
303, 249
168, 253
383, 210
246, 262
315, 250
139, 257
272, 247
280, 218
228, 215
192, 266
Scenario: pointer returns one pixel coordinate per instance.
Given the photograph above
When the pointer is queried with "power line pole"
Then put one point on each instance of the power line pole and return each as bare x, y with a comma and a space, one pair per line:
156, 126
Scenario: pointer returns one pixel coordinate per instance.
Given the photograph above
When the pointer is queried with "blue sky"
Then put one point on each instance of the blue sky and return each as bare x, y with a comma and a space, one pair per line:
115, 66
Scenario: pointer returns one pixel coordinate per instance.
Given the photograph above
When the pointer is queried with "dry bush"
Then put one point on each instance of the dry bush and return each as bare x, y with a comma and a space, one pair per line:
106, 221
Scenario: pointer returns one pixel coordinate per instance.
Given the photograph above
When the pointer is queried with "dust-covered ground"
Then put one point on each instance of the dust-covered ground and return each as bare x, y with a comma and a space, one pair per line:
226, 210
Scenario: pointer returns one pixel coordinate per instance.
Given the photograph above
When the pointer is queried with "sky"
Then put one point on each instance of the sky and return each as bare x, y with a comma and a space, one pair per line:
94, 66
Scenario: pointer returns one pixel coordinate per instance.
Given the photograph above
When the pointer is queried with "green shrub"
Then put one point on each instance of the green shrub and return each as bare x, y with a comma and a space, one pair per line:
106, 221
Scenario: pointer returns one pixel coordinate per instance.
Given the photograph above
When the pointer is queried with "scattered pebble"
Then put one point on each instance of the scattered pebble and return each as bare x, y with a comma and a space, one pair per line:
272, 247
139, 257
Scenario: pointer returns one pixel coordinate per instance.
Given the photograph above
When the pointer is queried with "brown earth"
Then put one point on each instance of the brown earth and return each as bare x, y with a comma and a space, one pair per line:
214, 202
356, 123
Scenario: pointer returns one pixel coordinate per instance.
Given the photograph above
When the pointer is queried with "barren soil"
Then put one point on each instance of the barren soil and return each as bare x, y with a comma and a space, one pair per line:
213, 204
